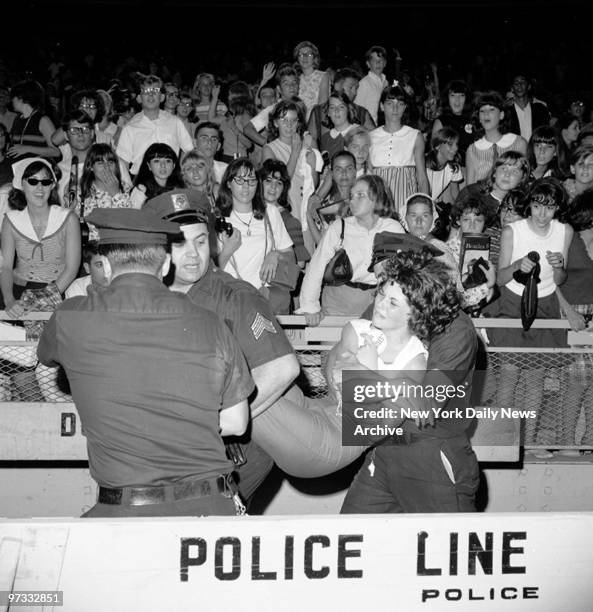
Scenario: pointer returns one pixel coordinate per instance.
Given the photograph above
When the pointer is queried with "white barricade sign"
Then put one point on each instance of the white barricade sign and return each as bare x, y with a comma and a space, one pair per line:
52, 432
41, 432
540, 562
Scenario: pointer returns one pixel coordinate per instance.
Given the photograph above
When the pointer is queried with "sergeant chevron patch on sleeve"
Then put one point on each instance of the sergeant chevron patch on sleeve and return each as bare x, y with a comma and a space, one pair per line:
260, 325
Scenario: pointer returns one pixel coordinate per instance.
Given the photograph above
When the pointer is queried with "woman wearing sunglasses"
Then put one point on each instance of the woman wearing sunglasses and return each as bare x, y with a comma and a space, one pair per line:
43, 237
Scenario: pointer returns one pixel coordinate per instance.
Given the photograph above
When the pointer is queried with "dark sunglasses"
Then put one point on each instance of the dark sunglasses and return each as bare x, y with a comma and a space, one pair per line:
34, 182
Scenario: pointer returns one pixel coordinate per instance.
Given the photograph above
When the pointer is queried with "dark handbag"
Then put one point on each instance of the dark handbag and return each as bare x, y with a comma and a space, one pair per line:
529, 297
339, 269
288, 271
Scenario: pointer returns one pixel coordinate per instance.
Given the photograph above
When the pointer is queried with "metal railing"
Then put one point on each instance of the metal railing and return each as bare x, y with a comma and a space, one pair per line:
555, 383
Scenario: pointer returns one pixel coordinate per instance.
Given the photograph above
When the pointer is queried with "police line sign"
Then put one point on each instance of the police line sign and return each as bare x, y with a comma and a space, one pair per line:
410, 562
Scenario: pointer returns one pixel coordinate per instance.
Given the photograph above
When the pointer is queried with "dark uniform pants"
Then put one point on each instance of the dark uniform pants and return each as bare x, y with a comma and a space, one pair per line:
254, 471
426, 475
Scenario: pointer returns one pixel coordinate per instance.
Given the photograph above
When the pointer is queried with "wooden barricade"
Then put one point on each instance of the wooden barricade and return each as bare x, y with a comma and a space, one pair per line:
463, 562
50, 433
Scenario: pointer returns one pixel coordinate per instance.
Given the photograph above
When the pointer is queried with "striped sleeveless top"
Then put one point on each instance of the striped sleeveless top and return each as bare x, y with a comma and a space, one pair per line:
39, 260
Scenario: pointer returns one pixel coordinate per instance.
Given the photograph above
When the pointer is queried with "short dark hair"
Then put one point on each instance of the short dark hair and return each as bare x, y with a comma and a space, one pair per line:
270, 167
134, 256
283, 107
90, 94
346, 73
16, 197
79, 116
580, 211
550, 189
508, 158
342, 153
579, 153
90, 249
380, 51
31, 92
515, 199
474, 203
284, 70
429, 288
343, 98
208, 125
544, 134
490, 98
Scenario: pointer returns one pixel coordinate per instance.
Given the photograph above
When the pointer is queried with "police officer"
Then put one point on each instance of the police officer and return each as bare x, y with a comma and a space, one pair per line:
156, 380
269, 355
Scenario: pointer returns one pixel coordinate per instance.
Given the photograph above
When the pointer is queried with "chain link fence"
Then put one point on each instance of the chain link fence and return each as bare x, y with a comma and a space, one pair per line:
23, 379
554, 387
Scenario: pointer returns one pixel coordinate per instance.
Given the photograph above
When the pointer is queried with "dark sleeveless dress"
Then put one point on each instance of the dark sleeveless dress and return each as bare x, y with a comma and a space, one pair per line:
25, 131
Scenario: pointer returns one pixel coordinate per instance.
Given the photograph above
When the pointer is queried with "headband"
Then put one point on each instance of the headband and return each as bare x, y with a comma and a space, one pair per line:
18, 169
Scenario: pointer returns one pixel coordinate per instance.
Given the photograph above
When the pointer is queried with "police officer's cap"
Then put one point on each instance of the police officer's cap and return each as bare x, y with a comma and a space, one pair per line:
188, 217
387, 244
169, 204
131, 226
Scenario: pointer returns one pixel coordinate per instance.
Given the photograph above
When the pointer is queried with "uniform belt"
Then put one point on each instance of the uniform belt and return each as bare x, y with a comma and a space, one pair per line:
142, 496
363, 286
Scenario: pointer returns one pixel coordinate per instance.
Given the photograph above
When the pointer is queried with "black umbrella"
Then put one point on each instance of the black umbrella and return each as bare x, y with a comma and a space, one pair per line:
529, 297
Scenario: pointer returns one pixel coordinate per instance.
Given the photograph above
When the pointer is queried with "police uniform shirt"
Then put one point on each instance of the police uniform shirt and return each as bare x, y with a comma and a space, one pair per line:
149, 371
246, 313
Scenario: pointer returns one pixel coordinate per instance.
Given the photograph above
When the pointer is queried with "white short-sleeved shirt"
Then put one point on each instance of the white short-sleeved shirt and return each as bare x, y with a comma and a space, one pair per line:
369, 93
248, 258
141, 132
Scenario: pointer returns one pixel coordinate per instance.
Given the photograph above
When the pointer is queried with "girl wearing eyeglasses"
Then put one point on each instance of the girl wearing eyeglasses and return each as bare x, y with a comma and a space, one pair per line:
92, 103
259, 239
185, 111
289, 143
313, 83
42, 237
